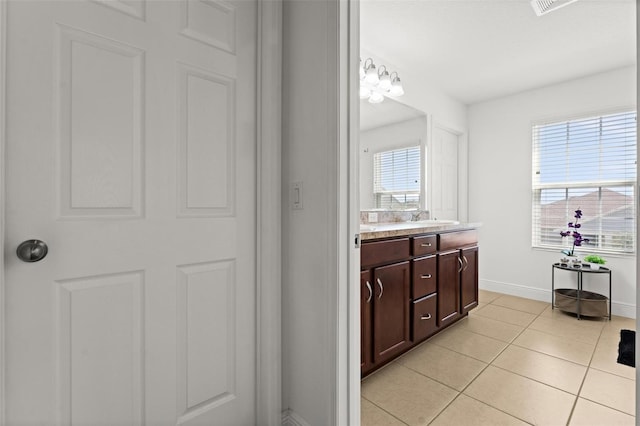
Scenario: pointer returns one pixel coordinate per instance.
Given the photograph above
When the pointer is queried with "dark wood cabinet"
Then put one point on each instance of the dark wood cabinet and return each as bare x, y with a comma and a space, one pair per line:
469, 279
412, 287
366, 301
391, 334
449, 266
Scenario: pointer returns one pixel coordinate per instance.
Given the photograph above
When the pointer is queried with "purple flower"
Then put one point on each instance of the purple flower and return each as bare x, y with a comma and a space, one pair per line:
577, 236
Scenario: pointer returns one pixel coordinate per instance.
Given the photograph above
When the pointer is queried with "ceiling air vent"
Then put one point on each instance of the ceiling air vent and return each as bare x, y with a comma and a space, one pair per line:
545, 6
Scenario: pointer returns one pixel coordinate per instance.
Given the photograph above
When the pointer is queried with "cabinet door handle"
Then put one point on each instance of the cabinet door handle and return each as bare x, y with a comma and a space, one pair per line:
461, 264
425, 245
370, 292
425, 277
466, 262
381, 288
426, 317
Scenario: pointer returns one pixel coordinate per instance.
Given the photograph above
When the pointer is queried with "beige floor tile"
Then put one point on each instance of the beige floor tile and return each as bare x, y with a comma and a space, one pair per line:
521, 304
476, 346
490, 327
372, 415
549, 370
507, 315
568, 349
520, 397
581, 330
605, 358
441, 364
587, 413
610, 390
407, 395
470, 412
618, 323
486, 296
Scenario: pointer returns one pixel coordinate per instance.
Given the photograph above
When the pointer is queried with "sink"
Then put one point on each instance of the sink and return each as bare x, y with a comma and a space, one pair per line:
437, 222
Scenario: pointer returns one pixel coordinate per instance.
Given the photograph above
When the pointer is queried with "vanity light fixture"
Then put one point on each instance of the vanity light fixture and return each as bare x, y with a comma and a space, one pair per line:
376, 83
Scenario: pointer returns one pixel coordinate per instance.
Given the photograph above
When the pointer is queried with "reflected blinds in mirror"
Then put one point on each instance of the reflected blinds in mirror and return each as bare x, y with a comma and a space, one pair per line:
396, 178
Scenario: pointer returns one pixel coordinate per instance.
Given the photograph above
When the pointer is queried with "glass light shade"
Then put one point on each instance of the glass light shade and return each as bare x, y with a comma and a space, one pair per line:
376, 98
364, 92
362, 74
396, 87
385, 81
372, 75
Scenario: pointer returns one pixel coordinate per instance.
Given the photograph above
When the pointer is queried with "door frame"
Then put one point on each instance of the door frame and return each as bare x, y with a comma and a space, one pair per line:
268, 201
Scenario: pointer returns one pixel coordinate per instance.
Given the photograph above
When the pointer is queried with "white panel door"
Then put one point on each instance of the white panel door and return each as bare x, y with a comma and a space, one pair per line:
444, 174
131, 151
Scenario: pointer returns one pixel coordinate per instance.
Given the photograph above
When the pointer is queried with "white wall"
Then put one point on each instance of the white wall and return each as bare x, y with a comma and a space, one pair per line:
500, 185
394, 136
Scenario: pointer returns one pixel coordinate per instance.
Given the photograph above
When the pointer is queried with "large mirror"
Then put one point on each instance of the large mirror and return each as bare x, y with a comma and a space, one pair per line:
392, 156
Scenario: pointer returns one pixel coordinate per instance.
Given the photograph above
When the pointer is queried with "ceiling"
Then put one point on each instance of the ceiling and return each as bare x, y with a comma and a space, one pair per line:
476, 50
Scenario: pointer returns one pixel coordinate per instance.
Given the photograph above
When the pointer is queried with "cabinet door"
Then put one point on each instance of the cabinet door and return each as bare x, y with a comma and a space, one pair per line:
391, 333
449, 265
469, 280
366, 300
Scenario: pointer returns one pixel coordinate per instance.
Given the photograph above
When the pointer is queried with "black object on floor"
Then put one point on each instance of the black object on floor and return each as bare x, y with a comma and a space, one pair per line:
627, 348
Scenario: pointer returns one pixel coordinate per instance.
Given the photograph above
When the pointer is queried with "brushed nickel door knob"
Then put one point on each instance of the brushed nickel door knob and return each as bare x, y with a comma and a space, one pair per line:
32, 250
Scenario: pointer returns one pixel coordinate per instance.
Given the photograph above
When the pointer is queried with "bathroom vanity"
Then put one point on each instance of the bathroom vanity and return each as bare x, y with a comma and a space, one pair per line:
414, 281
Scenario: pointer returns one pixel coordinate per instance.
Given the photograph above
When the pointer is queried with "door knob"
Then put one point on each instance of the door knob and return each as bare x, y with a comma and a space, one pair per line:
32, 250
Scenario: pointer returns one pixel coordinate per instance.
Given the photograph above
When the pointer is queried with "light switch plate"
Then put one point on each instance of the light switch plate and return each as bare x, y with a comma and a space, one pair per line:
372, 217
296, 196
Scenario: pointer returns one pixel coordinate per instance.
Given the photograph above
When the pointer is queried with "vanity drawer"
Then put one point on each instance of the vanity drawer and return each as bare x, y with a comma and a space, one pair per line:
423, 245
424, 276
424, 317
455, 240
380, 252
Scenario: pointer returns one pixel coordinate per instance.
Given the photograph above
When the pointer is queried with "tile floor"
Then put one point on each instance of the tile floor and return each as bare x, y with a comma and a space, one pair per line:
512, 361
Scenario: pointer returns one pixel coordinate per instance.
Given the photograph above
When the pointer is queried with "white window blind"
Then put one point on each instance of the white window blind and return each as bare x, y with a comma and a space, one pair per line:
396, 178
587, 164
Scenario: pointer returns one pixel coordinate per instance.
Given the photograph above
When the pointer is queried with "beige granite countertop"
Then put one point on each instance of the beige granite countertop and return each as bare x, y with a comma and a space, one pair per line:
374, 231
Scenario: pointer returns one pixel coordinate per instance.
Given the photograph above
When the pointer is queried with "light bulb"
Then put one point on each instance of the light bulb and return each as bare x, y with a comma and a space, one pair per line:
376, 98
371, 75
364, 92
396, 87
385, 81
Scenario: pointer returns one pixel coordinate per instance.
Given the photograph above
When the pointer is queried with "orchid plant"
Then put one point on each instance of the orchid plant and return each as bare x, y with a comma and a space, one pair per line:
577, 236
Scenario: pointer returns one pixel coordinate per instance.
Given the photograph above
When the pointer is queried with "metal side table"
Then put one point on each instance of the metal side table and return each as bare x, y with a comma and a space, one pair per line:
578, 271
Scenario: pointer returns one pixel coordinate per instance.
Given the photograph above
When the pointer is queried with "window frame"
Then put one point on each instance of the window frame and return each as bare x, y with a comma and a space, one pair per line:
537, 189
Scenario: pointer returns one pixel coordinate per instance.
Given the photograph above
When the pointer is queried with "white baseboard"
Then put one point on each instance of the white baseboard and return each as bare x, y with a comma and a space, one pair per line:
291, 418
617, 308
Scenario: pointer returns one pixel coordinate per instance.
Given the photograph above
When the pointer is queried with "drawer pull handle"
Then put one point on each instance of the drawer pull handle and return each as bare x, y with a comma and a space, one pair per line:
461, 264
466, 262
426, 317
381, 288
425, 277
425, 245
370, 292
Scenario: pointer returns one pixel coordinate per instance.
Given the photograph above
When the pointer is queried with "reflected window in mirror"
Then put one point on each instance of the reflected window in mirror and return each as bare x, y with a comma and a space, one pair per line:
396, 178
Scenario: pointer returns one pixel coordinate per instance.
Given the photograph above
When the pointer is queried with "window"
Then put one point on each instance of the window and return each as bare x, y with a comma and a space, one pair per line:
396, 178
589, 164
